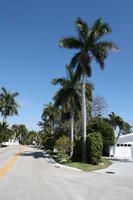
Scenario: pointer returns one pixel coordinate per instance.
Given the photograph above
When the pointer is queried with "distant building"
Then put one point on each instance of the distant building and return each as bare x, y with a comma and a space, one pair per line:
123, 147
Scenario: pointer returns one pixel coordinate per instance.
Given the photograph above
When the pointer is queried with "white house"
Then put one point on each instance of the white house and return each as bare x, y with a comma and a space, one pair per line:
123, 147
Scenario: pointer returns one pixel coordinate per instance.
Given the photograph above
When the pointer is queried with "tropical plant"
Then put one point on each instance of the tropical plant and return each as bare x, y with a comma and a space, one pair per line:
50, 116
89, 45
20, 132
68, 96
5, 133
8, 105
117, 122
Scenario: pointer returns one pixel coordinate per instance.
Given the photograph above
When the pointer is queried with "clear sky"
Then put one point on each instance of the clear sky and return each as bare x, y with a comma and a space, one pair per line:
30, 57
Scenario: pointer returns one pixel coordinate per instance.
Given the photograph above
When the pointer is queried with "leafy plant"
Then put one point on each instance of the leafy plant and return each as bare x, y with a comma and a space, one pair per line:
94, 148
63, 145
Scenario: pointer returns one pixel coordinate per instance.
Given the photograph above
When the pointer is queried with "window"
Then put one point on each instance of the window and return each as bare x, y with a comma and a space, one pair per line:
125, 145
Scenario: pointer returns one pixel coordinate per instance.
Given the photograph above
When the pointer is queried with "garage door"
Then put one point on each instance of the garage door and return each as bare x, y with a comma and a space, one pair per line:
123, 151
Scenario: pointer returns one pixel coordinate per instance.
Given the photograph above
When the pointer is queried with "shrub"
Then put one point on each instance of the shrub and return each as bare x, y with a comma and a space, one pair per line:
94, 148
77, 150
62, 158
63, 145
107, 133
49, 143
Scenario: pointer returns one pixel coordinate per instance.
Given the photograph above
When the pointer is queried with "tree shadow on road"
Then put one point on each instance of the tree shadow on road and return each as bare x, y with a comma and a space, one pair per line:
35, 154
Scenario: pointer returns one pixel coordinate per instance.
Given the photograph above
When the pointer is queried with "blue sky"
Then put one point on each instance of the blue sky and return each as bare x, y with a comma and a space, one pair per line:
30, 57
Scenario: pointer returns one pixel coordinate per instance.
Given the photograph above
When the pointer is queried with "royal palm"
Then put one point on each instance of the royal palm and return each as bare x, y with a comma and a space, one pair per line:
90, 45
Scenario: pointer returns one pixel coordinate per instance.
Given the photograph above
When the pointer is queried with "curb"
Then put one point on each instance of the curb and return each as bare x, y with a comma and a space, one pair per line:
55, 164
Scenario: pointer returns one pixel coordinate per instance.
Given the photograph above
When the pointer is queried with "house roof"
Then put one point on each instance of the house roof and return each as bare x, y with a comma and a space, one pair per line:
125, 139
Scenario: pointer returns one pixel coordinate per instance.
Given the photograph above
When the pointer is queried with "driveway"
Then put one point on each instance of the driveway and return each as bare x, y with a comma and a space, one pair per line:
119, 167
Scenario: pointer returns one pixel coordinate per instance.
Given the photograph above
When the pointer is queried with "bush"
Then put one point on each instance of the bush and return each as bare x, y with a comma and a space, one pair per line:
62, 158
77, 150
94, 148
107, 133
63, 145
49, 143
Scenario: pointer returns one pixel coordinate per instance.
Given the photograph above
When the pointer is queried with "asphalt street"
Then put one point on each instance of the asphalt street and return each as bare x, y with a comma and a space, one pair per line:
32, 177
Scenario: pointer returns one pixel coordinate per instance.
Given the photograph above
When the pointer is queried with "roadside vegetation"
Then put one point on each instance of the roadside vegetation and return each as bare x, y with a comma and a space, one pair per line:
73, 129
88, 167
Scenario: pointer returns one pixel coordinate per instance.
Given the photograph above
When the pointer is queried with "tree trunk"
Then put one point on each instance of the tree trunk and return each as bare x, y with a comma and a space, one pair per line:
4, 118
84, 148
72, 131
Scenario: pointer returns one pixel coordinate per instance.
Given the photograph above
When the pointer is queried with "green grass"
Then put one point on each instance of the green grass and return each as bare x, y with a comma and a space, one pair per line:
87, 167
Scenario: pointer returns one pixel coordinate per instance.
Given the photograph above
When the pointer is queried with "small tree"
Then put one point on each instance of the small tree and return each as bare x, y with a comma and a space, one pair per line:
63, 145
94, 148
106, 131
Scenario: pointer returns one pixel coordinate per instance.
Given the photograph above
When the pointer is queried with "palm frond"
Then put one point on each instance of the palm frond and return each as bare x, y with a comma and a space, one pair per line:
82, 29
100, 51
71, 43
15, 94
4, 90
58, 81
89, 89
75, 60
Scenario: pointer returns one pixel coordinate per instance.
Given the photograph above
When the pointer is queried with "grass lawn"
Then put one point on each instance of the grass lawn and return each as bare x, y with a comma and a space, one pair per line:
87, 167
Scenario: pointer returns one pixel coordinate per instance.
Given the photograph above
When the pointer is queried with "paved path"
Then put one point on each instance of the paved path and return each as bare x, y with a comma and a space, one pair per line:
32, 177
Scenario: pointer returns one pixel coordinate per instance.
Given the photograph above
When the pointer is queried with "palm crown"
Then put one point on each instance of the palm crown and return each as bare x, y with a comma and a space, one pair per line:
8, 105
89, 44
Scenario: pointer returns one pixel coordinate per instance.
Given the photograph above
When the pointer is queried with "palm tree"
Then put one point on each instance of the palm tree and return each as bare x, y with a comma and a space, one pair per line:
117, 122
49, 117
8, 105
89, 45
69, 96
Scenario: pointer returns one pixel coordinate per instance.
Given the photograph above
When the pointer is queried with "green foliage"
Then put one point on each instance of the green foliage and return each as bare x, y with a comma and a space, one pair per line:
62, 158
94, 148
63, 145
8, 105
107, 133
117, 122
77, 150
5, 133
31, 137
23, 134
49, 143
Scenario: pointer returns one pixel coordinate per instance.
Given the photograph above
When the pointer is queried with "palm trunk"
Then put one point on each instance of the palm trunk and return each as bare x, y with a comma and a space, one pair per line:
72, 131
84, 148
4, 118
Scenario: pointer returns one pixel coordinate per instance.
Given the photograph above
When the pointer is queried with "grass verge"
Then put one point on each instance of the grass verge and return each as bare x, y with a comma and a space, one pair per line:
87, 167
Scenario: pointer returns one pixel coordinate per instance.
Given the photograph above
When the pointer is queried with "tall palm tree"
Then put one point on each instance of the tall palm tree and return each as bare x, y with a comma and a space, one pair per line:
8, 105
69, 96
89, 45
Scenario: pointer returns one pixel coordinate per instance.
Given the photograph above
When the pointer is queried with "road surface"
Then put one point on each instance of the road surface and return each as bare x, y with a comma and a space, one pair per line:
25, 174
